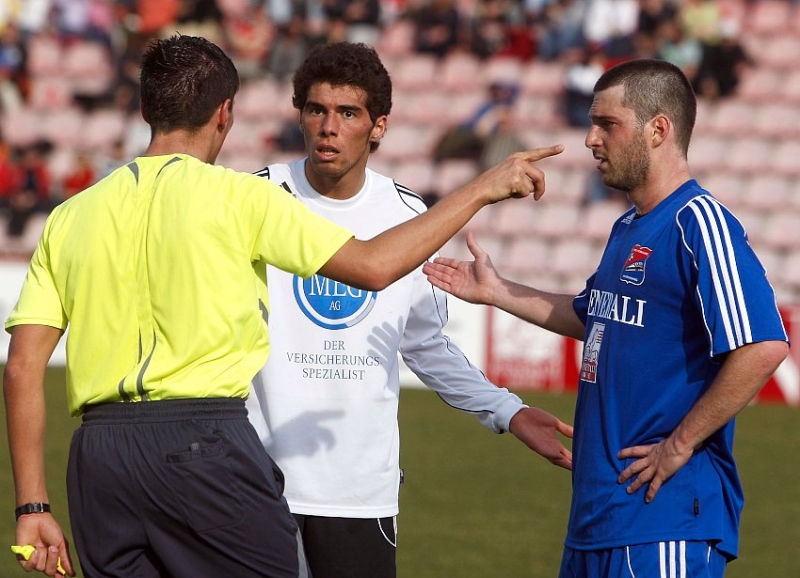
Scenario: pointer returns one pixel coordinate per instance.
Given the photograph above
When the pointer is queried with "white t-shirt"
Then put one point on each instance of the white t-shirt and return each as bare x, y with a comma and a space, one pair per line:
325, 405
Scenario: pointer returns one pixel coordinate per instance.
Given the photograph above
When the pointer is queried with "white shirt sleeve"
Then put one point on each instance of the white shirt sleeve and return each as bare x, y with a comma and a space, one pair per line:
443, 367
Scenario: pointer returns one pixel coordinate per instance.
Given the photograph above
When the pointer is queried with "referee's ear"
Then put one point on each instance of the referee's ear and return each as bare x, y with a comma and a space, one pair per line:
144, 114
224, 116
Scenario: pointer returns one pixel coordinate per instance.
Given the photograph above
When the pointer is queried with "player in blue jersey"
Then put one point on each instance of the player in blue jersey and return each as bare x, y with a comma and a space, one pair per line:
680, 329
326, 403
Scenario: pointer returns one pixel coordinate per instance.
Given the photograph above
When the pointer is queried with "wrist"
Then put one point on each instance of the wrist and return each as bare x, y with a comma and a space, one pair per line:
682, 442
32, 508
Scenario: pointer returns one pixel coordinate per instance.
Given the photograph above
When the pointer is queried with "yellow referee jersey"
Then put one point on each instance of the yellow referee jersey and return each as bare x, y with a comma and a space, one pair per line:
152, 269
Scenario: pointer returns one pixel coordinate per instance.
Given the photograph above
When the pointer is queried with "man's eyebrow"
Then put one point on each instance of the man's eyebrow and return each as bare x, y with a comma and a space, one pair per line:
341, 107
350, 108
601, 116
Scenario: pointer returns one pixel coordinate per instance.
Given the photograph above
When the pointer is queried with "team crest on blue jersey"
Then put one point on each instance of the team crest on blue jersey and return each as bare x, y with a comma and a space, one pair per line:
633, 271
331, 304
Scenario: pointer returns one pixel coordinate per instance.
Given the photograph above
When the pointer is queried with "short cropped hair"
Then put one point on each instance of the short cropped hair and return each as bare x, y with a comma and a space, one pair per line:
655, 87
345, 64
183, 80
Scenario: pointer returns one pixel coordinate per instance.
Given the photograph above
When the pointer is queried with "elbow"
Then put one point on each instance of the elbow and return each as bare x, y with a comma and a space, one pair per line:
361, 267
768, 355
375, 274
373, 279
777, 353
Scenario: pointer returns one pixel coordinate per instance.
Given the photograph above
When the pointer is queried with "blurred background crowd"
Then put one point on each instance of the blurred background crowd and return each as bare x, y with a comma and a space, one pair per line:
474, 80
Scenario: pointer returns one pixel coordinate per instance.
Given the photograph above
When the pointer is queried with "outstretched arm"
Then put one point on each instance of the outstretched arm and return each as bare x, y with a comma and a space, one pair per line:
478, 282
382, 260
444, 368
23, 388
743, 374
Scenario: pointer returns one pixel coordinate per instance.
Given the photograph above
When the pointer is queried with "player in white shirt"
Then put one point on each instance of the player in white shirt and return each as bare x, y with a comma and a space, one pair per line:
325, 405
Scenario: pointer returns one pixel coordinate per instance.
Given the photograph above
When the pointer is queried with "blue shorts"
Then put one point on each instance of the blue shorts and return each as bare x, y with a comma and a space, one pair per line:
679, 559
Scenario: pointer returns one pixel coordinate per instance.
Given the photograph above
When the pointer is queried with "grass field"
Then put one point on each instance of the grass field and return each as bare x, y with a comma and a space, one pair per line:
479, 505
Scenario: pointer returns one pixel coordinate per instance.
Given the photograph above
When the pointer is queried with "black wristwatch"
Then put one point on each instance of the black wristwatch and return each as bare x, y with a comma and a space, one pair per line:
35, 508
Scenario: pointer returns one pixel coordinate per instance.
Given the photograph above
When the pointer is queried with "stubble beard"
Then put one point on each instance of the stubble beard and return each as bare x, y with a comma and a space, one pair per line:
632, 168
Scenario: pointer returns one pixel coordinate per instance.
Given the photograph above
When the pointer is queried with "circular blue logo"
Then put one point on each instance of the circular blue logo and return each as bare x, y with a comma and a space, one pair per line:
331, 304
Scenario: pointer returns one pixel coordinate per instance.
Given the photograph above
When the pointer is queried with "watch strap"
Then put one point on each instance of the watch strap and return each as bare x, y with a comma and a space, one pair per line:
31, 508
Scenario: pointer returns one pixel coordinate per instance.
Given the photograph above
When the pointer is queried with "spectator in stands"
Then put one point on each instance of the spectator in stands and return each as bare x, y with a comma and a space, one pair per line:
438, 27
125, 89
154, 16
13, 76
584, 66
70, 18
201, 18
30, 189
249, 35
497, 28
722, 63
466, 140
654, 13
504, 141
611, 25
33, 17
289, 48
560, 28
361, 19
8, 178
675, 46
102, 22
701, 20
81, 176
111, 160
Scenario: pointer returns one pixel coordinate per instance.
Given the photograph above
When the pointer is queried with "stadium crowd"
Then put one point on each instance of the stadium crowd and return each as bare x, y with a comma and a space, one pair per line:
69, 72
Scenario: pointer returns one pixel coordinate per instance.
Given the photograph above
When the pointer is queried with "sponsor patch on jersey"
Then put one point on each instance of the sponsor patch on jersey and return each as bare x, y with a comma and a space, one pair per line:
591, 353
331, 304
633, 271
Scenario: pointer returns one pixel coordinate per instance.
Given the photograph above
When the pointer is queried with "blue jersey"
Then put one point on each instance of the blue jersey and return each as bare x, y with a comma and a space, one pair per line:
676, 289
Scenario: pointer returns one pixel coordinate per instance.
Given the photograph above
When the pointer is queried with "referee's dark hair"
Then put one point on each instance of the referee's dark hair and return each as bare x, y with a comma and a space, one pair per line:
183, 80
346, 63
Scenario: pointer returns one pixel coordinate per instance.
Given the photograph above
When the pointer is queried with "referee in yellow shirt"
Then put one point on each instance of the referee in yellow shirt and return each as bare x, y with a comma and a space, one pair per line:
154, 270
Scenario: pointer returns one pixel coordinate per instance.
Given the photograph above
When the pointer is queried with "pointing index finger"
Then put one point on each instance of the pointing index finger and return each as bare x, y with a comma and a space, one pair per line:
541, 153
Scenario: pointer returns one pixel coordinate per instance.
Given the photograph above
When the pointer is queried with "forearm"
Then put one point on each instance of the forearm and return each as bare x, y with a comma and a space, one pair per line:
741, 377
382, 260
25, 417
551, 311
379, 262
408, 245
447, 371
29, 351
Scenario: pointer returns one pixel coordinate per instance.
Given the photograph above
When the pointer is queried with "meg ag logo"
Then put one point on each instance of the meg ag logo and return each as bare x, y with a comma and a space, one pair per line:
331, 304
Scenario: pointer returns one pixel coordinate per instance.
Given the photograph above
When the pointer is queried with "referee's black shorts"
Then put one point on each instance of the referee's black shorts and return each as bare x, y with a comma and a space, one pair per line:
179, 488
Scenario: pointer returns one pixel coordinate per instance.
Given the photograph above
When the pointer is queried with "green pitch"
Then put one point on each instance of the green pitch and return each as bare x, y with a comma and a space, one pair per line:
475, 504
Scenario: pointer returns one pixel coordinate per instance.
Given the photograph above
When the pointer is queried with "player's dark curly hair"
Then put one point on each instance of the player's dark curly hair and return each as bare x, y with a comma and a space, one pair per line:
346, 63
655, 87
183, 80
